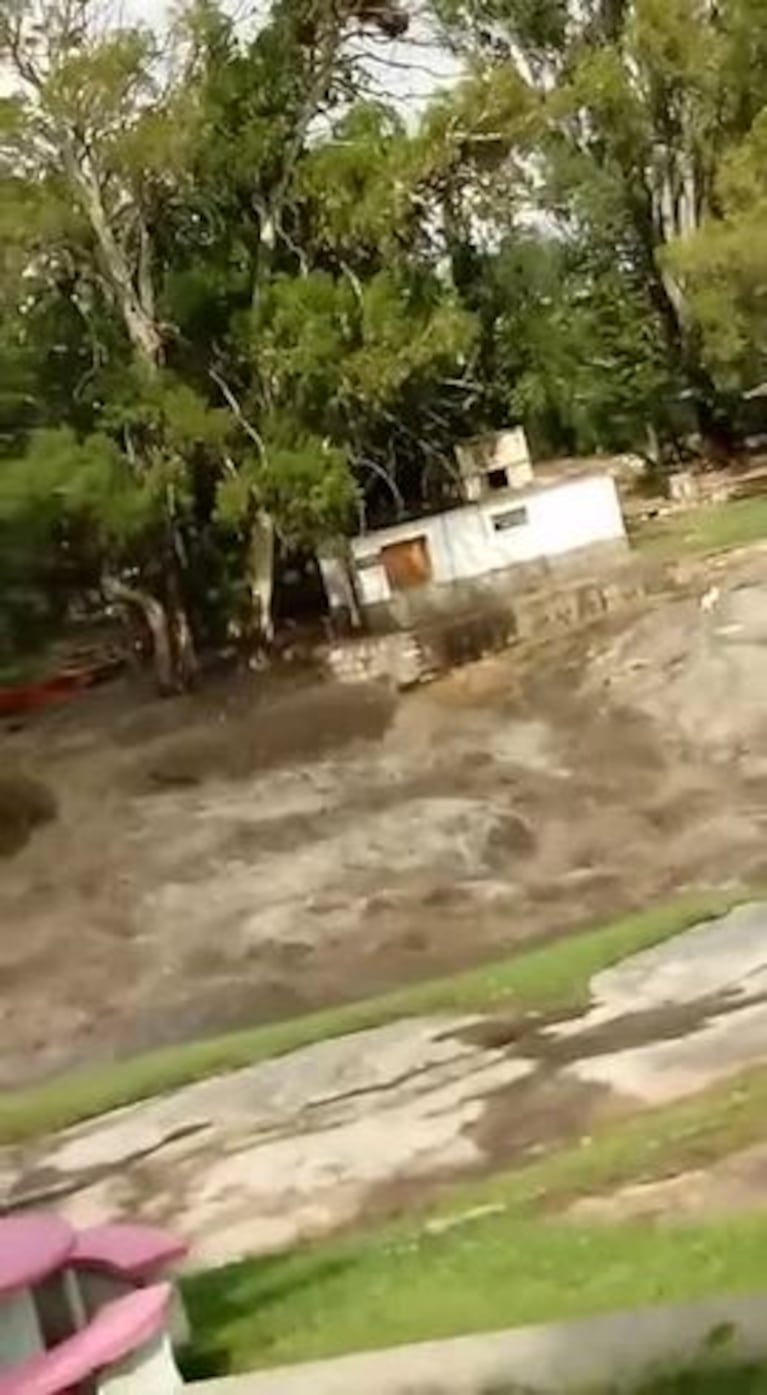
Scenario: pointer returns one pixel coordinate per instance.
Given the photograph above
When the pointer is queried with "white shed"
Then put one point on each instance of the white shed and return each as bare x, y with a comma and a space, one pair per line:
490, 536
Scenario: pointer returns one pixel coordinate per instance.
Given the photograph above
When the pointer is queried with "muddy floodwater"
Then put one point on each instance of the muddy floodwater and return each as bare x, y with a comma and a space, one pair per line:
273, 844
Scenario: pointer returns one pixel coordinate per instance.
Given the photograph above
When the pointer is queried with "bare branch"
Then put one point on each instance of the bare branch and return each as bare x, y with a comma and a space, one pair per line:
377, 469
145, 284
236, 409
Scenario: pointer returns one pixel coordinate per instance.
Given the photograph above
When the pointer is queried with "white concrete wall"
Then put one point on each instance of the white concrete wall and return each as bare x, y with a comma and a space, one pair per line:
495, 450
465, 543
561, 518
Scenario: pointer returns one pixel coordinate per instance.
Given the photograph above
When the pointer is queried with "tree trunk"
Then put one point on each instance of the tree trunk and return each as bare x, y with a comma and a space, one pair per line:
682, 342
155, 618
184, 650
135, 302
175, 657
261, 573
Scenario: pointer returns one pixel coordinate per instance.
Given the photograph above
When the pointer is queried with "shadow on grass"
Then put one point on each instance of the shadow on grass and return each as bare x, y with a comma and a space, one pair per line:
719, 1379
710, 1380
219, 1300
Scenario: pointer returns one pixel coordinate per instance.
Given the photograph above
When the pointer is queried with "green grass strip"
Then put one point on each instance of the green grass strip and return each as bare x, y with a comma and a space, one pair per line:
329, 1300
552, 977
715, 528
520, 1262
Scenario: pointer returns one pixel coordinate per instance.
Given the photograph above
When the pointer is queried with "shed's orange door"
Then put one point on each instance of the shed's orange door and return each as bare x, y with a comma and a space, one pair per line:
407, 563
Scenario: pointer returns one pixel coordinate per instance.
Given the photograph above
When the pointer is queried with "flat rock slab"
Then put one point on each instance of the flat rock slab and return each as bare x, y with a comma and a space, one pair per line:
662, 1071
722, 962
262, 1157
722, 957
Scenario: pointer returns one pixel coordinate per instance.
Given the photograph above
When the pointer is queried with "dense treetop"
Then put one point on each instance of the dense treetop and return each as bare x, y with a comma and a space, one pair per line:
248, 304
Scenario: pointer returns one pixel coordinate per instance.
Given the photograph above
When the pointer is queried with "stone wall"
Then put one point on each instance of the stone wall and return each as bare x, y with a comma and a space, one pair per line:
503, 589
396, 658
487, 622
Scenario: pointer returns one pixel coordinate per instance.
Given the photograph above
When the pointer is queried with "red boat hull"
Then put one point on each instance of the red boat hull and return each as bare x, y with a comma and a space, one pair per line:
29, 697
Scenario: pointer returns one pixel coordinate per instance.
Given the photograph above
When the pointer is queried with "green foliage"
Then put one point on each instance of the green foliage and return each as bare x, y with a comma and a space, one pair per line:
327, 343
570, 346
406, 331
307, 487
358, 188
538, 26
231, 284
304, 485
301, 331
634, 111
714, 528
62, 504
64, 487
402, 1283
723, 265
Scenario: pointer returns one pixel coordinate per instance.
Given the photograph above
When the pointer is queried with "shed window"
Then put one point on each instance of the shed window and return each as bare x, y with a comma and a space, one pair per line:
511, 518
